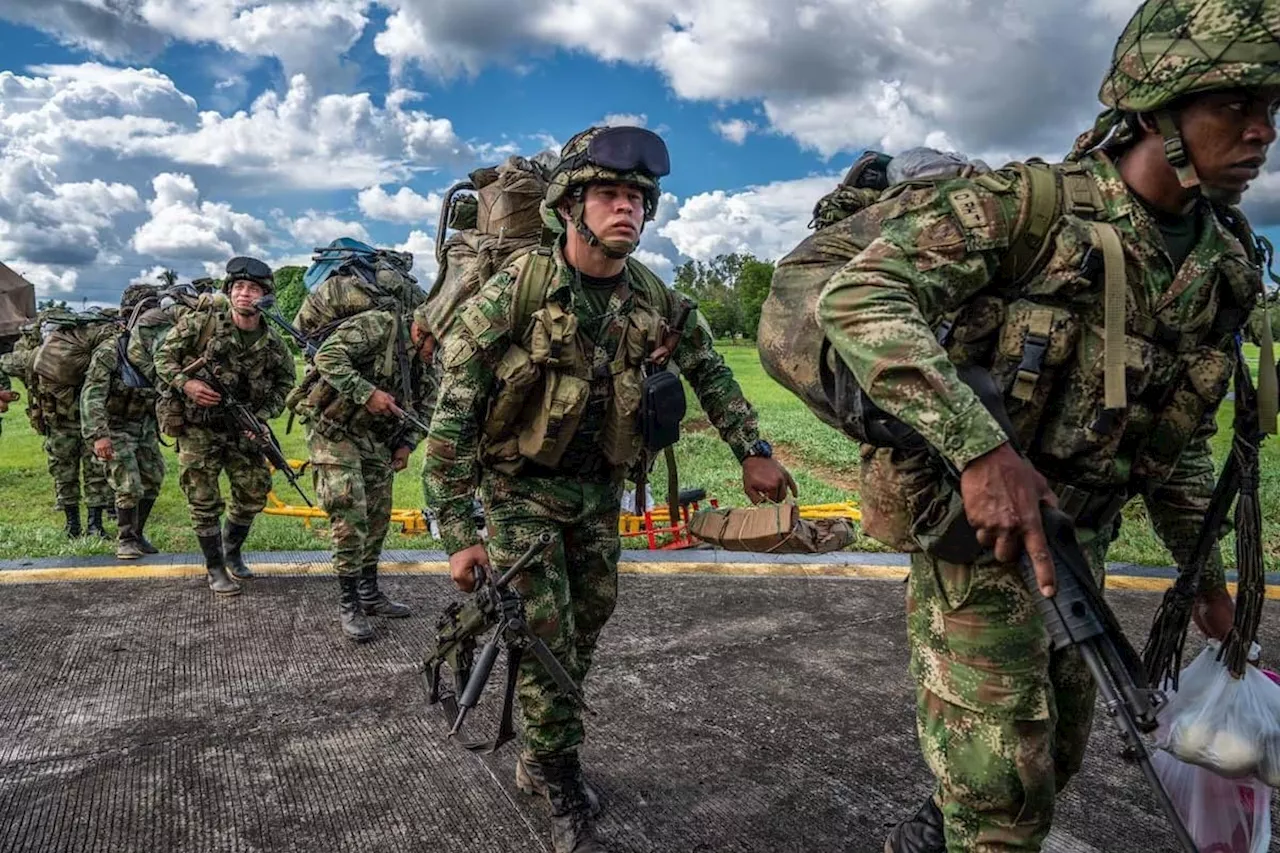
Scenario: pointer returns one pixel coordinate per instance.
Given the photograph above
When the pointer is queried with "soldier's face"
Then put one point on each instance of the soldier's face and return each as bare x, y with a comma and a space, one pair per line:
1227, 135
244, 294
614, 212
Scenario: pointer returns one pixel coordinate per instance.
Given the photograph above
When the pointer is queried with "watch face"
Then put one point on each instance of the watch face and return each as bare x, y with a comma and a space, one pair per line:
762, 448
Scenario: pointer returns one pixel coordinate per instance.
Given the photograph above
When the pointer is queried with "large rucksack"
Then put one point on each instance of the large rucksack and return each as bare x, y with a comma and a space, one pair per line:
348, 277
491, 228
793, 348
152, 320
68, 341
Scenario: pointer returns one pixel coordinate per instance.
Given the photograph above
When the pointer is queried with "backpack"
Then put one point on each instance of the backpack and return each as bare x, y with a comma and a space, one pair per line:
491, 228
348, 277
148, 326
792, 346
69, 339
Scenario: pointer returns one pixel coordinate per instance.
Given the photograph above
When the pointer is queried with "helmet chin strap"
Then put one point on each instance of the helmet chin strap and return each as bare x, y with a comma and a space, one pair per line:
1175, 151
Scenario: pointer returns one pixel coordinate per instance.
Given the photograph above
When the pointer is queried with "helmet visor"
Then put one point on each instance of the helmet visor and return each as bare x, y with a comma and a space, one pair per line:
252, 269
624, 149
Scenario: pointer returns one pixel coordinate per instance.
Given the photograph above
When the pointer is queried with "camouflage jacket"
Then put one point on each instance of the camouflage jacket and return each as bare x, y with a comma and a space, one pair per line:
106, 402
358, 358
468, 362
940, 249
258, 375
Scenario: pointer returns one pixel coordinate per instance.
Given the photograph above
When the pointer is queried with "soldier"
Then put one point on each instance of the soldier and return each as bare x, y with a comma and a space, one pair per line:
7, 394
235, 346
560, 466
119, 423
1191, 96
370, 371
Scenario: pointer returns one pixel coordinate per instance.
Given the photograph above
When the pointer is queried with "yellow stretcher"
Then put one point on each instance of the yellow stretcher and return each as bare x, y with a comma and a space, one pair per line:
652, 524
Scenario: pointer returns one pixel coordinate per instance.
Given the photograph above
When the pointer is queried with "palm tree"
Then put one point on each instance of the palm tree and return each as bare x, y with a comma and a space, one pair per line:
168, 278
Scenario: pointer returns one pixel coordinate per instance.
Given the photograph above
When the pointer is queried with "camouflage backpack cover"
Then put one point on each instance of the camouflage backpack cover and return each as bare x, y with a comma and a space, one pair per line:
348, 277
494, 217
68, 339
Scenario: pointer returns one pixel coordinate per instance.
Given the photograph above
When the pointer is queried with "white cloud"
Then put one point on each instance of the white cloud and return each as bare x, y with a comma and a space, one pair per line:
423, 247
734, 130
149, 276
404, 206
49, 282
766, 221
661, 265
184, 227
625, 120
320, 229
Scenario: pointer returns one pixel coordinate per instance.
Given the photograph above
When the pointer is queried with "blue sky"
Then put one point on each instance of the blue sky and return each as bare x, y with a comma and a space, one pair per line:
174, 133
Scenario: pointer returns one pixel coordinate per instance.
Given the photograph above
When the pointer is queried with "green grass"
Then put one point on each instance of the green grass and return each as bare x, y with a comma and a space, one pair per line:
824, 463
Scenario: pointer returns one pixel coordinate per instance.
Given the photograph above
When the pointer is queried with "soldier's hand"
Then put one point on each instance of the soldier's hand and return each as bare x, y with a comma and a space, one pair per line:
7, 397
400, 459
200, 393
382, 403
1214, 613
766, 479
103, 449
1002, 494
462, 566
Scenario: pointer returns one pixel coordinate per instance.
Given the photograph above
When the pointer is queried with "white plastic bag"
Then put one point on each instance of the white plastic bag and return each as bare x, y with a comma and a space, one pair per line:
1222, 815
1228, 725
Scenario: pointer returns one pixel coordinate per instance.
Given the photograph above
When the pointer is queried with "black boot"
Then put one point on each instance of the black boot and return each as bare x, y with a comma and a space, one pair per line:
921, 834
73, 521
529, 780
94, 526
354, 623
219, 581
127, 545
572, 829
233, 540
111, 512
144, 512
374, 601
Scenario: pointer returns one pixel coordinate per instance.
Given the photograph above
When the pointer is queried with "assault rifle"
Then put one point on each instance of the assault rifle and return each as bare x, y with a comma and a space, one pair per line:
259, 432
493, 603
265, 306
1077, 616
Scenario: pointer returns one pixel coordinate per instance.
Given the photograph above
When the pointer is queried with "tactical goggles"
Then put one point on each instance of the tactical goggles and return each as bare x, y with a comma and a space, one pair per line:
250, 269
623, 149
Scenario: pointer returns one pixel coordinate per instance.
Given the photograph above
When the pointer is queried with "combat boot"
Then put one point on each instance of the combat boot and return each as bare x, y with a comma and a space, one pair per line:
354, 623
233, 541
922, 833
127, 545
529, 780
144, 512
373, 601
94, 525
73, 521
219, 581
572, 829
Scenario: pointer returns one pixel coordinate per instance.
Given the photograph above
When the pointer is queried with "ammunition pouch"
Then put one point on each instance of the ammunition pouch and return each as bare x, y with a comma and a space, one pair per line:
171, 414
1203, 377
545, 436
516, 375
662, 408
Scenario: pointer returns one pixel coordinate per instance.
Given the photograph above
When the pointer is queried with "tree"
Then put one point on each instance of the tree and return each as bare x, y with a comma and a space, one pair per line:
729, 291
290, 291
752, 286
46, 304
168, 278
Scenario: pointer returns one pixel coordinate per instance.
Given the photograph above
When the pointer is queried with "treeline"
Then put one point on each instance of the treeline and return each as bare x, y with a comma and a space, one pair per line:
729, 290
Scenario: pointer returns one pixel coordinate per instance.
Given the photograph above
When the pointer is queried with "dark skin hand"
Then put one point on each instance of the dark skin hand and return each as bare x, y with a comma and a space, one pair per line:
766, 480
1002, 494
1214, 613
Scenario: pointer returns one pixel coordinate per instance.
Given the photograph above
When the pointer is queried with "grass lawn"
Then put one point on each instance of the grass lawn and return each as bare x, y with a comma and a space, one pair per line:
823, 462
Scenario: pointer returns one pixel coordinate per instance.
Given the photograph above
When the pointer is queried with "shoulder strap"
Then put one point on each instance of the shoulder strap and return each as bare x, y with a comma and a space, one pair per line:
1041, 207
537, 271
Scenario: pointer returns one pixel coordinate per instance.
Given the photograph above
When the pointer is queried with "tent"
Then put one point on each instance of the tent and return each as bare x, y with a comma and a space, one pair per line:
17, 301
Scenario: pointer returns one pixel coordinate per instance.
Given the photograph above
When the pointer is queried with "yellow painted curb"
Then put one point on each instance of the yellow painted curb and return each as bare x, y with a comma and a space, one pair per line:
139, 571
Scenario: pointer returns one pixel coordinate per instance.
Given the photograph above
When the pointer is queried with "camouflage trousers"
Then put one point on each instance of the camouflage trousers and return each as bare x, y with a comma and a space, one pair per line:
353, 484
136, 470
202, 456
1003, 722
569, 593
68, 455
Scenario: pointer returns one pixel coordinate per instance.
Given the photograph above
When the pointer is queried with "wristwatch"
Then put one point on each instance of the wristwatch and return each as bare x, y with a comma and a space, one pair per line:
761, 448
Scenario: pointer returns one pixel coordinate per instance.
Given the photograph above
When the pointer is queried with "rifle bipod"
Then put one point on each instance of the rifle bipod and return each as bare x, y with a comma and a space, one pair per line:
494, 604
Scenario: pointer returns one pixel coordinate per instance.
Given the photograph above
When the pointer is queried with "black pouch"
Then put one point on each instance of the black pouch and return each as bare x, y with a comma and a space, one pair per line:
662, 407
128, 373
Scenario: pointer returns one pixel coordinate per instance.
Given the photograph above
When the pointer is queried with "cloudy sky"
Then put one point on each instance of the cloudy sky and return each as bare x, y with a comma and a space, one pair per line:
141, 134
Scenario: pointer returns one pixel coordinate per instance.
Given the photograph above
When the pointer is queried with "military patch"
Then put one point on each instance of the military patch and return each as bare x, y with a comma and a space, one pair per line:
475, 321
458, 350
968, 208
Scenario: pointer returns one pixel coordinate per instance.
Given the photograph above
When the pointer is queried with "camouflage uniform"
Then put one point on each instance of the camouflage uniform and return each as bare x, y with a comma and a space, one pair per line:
571, 593
1002, 721
256, 370
351, 450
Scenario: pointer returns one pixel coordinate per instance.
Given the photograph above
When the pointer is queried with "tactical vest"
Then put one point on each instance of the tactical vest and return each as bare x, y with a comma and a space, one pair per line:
127, 405
395, 371
1093, 418
551, 372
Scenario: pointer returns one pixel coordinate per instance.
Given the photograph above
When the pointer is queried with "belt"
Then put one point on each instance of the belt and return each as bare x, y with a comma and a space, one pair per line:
594, 468
1089, 509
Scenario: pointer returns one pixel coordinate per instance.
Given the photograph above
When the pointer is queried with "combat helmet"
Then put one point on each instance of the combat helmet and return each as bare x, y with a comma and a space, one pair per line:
631, 155
137, 293
244, 268
1174, 48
